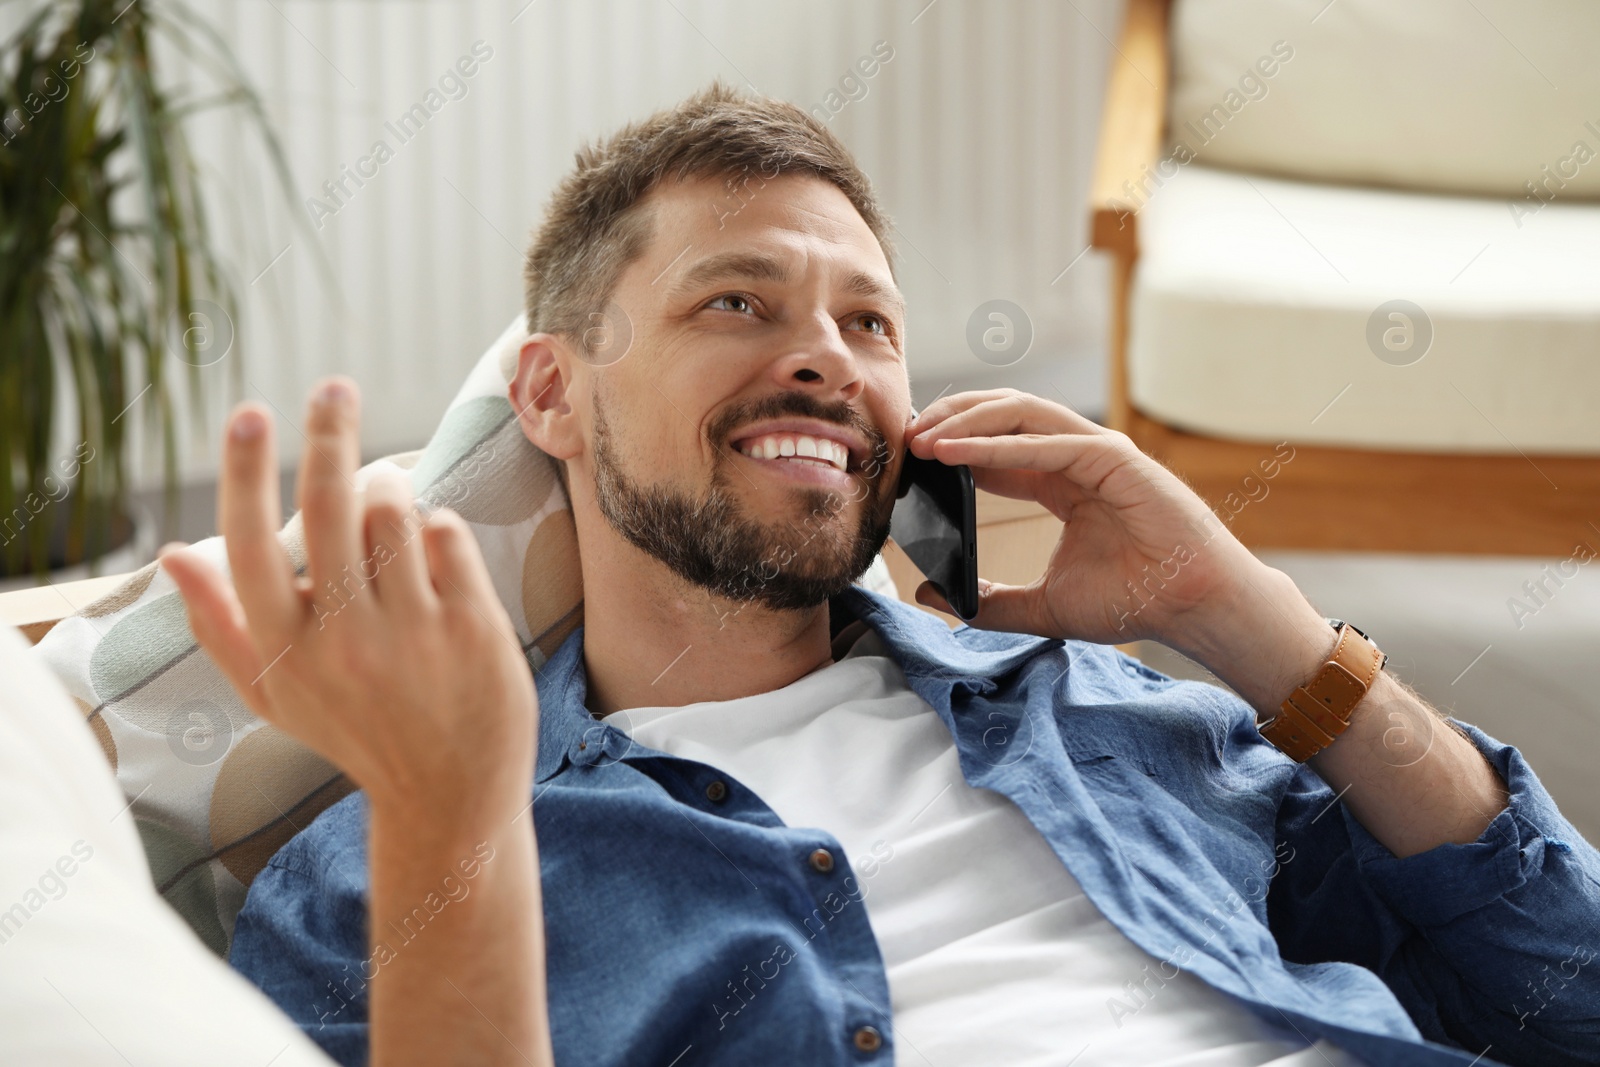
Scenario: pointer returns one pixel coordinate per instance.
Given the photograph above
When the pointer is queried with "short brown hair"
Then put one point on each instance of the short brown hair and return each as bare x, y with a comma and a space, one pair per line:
591, 231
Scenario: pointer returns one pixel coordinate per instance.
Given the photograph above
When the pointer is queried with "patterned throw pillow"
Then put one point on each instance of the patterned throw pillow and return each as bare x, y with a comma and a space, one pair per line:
215, 791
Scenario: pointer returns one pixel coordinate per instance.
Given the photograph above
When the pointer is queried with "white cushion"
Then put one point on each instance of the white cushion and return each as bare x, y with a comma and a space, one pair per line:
1432, 94
97, 968
1252, 299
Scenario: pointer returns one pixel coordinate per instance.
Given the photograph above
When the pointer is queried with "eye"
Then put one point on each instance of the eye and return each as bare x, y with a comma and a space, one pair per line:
737, 303
874, 323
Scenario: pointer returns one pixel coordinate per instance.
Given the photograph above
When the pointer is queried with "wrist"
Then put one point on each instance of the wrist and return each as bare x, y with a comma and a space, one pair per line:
430, 865
455, 797
1263, 639
418, 835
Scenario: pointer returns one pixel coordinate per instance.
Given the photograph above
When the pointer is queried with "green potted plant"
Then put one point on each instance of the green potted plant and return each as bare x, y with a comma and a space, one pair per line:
111, 286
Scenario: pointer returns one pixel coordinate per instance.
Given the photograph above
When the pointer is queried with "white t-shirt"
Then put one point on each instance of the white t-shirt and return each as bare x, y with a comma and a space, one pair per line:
994, 955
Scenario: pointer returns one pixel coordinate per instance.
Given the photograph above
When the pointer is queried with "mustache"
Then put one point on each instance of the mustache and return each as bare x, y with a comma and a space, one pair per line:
800, 405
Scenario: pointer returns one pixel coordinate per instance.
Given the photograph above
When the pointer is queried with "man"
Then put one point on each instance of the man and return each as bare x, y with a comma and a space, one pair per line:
783, 820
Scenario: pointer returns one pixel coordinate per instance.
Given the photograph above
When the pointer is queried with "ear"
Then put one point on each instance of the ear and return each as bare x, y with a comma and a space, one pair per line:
540, 394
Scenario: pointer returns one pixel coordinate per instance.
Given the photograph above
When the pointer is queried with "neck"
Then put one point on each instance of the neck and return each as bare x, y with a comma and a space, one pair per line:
651, 639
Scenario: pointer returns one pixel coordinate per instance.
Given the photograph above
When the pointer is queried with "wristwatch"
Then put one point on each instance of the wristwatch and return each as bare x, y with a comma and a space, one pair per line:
1319, 711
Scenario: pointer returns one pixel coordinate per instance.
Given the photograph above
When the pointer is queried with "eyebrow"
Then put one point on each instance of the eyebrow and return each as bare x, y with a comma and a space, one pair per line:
863, 284
762, 267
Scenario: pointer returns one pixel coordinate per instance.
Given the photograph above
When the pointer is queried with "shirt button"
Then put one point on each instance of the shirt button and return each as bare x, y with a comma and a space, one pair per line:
822, 863
717, 791
867, 1039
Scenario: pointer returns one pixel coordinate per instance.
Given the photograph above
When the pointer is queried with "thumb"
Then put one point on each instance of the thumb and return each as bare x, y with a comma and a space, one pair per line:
1007, 608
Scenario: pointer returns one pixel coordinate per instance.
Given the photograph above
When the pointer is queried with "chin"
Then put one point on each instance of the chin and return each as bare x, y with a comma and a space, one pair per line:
795, 576
786, 554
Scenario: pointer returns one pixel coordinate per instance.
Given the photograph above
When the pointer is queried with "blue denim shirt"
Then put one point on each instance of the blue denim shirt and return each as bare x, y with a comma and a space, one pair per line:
686, 926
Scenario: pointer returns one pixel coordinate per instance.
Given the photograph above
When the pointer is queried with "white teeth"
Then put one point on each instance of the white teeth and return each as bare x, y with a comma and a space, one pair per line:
799, 446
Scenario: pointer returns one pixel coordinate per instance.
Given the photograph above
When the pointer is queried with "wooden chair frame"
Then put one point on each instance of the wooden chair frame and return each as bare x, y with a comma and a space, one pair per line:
35, 610
1327, 498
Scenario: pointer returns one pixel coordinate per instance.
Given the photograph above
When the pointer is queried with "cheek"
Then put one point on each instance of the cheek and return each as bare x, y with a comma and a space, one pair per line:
893, 415
660, 438
693, 387
660, 444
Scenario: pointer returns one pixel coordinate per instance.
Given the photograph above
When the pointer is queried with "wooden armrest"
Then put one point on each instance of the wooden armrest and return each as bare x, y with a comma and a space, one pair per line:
1131, 127
35, 610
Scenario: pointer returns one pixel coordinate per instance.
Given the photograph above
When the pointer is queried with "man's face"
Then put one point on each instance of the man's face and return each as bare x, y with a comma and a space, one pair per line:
749, 436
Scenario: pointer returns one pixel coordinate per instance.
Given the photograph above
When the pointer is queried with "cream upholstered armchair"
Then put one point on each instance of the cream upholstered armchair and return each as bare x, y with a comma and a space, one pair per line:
1369, 230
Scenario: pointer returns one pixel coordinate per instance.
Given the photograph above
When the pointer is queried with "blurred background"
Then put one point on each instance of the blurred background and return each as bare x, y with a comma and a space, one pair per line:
1360, 236
977, 126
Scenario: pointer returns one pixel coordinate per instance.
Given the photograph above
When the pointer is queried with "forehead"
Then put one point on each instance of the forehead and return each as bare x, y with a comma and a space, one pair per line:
792, 216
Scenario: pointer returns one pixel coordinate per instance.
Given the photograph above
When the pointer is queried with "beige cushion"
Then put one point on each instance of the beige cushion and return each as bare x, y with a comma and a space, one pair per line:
97, 969
1473, 97
1253, 297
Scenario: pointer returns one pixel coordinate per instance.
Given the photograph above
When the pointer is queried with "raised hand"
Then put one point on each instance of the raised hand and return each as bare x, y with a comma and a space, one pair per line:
411, 680
393, 658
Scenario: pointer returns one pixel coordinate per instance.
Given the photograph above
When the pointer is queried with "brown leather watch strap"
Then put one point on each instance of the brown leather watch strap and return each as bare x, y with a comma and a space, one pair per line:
1319, 711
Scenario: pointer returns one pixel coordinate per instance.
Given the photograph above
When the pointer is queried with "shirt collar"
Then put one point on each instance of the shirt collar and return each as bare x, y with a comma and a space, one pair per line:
926, 649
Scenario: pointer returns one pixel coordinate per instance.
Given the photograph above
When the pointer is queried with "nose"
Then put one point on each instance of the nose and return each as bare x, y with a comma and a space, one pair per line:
818, 361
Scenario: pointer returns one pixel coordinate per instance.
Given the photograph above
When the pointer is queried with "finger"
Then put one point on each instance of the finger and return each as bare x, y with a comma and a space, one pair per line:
395, 555
1022, 609
1061, 418
1005, 608
927, 593
1016, 413
946, 406
1086, 459
217, 621
456, 565
1048, 489
249, 514
1018, 485
327, 481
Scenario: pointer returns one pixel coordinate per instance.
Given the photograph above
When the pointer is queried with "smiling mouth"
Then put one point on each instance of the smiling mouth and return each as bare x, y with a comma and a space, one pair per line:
798, 448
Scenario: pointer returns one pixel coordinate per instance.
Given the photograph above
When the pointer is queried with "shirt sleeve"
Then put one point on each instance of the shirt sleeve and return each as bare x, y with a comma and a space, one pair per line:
301, 937
1488, 944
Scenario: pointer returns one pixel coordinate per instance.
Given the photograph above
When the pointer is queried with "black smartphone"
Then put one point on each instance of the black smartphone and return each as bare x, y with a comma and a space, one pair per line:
935, 521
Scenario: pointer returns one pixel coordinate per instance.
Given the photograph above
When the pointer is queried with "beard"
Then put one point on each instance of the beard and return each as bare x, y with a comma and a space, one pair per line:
710, 541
